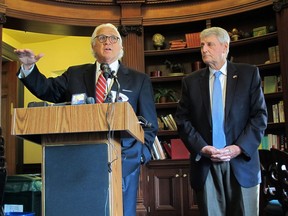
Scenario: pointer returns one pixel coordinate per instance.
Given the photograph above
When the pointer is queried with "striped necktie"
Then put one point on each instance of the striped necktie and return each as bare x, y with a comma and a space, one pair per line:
219, 140
100, 88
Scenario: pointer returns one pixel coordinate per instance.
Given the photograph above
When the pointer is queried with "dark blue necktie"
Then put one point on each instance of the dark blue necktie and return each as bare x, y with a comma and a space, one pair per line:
218, 134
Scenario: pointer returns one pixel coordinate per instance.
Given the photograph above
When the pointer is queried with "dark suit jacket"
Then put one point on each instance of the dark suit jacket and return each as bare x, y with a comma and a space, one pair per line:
245, 121
81, 79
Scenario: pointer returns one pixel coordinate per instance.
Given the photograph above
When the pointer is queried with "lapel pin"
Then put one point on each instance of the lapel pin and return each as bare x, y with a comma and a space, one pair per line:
235, 76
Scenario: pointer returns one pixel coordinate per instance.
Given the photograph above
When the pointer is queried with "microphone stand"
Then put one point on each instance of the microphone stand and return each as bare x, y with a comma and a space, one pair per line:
114, 76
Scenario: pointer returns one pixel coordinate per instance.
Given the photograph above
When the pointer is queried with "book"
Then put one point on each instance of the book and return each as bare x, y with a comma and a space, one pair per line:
272, 54
161, 125
275, 113
264, 143
279, 83
172, 120
193, 39
167, 148
270, 84
159, 149
165, 122
277, 53
281, 111
155, 152
169, 122
179, 150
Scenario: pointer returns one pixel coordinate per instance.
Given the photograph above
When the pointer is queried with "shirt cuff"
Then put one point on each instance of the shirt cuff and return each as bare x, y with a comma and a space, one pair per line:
24, 73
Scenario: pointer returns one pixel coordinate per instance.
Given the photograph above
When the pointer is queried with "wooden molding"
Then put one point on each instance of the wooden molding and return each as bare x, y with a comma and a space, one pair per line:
125, 30
86, 2
2, 18
278, 5
30, 15
191, 11
111, 2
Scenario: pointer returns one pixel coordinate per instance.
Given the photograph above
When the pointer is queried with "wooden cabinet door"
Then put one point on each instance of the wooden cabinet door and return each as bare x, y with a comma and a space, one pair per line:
189, 196
165, 192
170, 192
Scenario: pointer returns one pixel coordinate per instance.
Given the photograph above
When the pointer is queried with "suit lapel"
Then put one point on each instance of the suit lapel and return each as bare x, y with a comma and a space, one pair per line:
204, 85
123, 77
232, 78
90, 80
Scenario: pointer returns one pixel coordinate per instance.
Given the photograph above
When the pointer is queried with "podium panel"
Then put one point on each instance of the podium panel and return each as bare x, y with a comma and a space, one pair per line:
76, 180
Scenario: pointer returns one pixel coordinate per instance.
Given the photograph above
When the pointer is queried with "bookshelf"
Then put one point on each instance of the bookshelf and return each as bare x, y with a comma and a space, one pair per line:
253, 50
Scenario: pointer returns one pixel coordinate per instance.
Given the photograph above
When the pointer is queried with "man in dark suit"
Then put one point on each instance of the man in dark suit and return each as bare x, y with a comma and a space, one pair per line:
135, 87
226, 179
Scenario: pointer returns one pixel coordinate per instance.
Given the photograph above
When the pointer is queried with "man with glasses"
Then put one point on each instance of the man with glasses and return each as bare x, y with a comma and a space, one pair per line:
135, 87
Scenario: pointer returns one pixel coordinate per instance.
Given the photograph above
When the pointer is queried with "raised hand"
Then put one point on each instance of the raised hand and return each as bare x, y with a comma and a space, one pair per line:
27, 57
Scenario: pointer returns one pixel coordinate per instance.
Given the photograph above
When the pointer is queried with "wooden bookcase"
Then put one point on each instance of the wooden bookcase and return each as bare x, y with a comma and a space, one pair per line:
161, 174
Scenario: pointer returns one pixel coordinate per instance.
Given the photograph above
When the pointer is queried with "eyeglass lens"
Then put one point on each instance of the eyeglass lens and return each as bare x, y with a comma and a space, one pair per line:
103, 38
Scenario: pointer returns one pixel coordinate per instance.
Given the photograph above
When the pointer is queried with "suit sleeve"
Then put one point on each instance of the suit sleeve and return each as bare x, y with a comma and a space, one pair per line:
47, 89
148, 111
250, 138
189, 114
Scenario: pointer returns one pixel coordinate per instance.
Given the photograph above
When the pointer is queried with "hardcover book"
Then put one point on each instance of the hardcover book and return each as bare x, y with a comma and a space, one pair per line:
179, 150
270, 84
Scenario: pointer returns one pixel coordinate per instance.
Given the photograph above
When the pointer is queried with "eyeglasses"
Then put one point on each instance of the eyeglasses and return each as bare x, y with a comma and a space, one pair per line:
103, 38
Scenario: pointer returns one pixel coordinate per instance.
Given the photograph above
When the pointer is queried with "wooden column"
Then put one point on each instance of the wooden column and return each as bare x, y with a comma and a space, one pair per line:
2, 21
131, 30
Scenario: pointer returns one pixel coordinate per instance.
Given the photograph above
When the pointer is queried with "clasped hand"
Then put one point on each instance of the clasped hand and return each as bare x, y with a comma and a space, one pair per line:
220, 155
27, 57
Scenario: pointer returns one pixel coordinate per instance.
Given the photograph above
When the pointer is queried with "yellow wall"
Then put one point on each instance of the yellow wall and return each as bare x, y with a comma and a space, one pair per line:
59, 54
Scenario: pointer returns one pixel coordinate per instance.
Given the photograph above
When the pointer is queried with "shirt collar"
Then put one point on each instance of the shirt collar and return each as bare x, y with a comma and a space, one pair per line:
223, 70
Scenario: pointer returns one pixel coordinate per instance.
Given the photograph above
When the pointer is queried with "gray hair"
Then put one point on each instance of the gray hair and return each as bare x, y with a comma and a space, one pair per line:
95, 33
221, 34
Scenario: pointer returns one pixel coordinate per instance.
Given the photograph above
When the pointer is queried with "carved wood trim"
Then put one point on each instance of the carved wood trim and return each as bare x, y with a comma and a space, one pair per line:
2, 18
278, 5
86, 2
113, 2
125, 30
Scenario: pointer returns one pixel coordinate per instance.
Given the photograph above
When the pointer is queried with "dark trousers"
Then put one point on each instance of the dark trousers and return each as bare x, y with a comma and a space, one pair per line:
222, 195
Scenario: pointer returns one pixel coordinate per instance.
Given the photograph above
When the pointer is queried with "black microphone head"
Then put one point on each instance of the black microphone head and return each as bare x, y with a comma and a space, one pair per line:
106, 70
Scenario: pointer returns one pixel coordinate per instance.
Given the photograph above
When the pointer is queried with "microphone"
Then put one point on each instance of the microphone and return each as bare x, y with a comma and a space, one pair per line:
90, 100
114, 76
106, 70
107, 73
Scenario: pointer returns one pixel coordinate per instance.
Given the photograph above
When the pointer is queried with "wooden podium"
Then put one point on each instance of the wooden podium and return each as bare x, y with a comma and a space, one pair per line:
81, 167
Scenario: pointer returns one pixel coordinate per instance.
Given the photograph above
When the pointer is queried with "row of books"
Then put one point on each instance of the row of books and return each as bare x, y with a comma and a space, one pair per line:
272, 84
193, 39
177, 44
273, 52
175, 149
167, 122
273, 141
278, 112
